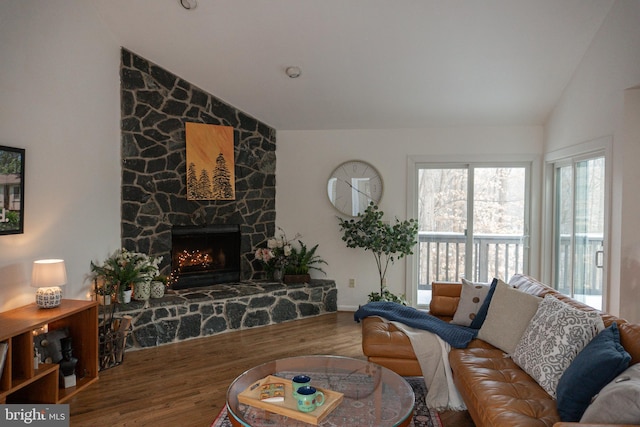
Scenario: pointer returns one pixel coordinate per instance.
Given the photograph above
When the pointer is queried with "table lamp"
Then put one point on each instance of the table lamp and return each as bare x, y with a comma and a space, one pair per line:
48, 275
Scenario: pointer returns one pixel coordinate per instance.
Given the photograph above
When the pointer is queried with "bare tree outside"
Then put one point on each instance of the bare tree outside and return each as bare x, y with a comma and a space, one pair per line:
498, 201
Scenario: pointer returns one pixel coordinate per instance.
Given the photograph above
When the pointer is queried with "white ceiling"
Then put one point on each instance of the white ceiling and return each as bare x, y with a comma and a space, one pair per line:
368, 63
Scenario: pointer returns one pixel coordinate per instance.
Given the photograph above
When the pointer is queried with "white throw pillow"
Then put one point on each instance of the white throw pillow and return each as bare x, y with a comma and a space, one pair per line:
509, 313
472, 296
554, 337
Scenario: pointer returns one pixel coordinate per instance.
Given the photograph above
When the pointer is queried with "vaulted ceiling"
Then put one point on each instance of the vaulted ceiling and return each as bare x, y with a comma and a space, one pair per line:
368, 63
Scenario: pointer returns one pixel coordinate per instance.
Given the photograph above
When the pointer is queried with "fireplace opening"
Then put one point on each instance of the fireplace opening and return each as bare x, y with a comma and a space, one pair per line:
204, 256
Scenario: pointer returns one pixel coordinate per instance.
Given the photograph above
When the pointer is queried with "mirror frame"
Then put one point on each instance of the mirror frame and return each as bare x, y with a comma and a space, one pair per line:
11, 177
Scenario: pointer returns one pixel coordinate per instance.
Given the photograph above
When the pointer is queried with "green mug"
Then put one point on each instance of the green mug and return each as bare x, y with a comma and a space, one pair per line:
309, 398
299, 381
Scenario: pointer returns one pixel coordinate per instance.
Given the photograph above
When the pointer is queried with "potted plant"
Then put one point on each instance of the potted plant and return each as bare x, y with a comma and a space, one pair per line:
299, 262
281, 257
387, 242
123, 270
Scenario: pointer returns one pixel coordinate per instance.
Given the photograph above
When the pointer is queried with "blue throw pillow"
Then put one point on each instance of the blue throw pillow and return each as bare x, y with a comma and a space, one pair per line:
595, 366
477, 321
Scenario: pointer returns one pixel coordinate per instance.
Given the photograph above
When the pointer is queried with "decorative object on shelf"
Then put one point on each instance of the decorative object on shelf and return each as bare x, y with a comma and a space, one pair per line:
124, 270
387, 242
159, 285
142, 291
126, 296
67, 371
48, 345
353, 185
12, 178
48, 275
281, 258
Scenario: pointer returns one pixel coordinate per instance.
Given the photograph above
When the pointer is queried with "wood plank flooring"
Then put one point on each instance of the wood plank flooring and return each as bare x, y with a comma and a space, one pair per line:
185, 384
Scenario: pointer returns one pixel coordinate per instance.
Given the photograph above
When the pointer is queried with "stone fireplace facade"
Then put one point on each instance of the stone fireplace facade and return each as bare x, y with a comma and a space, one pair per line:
155, 106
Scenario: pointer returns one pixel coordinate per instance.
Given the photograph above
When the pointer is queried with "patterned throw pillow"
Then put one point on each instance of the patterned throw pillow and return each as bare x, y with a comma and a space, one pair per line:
554, 337
472, 296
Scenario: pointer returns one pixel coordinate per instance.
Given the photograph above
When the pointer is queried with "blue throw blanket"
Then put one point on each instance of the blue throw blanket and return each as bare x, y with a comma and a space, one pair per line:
456, 335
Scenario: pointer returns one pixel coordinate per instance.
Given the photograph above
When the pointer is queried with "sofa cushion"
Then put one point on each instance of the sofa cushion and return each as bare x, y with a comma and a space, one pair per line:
599, 363
508, 307
556, 334
481, 315
472, 296
618, 402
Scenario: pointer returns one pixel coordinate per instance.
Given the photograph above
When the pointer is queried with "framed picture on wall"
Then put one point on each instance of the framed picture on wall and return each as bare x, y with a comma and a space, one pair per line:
11, 190
210, 162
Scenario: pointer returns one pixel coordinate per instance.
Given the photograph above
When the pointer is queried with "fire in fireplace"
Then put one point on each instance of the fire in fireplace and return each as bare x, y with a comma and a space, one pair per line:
203, 256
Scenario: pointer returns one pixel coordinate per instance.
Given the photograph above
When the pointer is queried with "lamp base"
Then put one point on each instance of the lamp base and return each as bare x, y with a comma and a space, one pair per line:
48, 297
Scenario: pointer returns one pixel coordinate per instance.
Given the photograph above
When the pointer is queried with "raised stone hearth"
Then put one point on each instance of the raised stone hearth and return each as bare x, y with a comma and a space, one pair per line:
201, 312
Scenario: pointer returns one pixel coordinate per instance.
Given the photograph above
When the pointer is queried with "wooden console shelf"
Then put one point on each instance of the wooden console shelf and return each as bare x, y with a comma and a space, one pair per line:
21, 382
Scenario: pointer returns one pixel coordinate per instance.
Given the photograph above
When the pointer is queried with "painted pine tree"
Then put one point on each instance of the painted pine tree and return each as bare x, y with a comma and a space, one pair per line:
192, 182
222, 188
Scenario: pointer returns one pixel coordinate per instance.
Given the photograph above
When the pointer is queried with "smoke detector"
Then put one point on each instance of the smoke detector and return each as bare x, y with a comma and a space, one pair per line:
293, 72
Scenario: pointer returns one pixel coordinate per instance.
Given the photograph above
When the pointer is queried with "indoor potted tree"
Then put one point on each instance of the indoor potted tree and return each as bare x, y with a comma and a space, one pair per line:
387, 242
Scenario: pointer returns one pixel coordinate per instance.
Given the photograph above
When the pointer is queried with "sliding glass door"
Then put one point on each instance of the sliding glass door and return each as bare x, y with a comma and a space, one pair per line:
579, 229
473, 223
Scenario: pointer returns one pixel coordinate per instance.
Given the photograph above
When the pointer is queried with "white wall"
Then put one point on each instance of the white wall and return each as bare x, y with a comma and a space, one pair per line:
593, 106
60, 101
307, 158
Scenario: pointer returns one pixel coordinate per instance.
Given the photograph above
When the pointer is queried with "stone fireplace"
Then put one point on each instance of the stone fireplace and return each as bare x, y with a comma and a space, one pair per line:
204, 256
155, 106
208, 245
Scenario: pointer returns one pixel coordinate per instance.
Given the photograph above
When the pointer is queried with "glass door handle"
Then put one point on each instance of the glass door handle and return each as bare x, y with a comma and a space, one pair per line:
599, 259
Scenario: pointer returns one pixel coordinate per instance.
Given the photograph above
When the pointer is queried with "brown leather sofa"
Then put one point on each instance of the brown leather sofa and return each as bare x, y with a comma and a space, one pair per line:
497, 392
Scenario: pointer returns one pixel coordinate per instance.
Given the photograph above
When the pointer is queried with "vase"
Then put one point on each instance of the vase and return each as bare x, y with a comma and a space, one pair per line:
157, 289
277, 275
126, 296
104, 299
142, 291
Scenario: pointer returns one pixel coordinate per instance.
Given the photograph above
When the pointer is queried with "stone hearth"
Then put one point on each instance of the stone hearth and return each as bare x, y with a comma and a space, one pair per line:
194, 313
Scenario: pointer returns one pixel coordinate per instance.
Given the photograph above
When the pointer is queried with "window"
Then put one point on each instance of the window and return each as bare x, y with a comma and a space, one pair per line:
579, 228
473, 223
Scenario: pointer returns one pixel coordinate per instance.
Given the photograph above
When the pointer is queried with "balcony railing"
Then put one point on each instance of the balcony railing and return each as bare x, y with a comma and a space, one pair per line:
442, 258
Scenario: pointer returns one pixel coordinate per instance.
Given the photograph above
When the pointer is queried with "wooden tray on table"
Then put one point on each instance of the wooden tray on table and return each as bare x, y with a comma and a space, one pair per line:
289, 407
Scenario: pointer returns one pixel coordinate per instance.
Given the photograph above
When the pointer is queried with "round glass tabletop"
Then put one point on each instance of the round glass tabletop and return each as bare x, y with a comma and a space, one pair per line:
372, 395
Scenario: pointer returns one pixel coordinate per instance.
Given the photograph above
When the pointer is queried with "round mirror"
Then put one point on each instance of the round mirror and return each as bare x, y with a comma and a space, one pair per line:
353, 185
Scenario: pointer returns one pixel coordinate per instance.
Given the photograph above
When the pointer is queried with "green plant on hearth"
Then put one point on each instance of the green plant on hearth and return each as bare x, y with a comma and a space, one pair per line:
387, 242
302, 259
283, 256
122, 270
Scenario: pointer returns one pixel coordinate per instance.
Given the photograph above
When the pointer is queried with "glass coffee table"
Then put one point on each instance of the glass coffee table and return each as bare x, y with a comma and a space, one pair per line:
372, 395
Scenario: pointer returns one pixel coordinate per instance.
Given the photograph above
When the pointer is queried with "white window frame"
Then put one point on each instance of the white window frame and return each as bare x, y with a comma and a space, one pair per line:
532, 206
597, 147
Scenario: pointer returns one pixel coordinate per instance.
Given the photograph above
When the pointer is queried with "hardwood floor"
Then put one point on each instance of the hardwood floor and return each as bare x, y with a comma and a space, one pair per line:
185, 384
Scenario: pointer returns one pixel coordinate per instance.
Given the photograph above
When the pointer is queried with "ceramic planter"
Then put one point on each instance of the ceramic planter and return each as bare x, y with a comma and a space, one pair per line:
157, 289
142, 291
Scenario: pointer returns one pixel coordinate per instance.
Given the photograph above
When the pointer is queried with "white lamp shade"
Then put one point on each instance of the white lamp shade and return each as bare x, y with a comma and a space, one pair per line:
48, 273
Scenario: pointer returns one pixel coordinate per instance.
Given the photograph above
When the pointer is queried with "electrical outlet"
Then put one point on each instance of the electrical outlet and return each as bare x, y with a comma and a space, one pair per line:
352, 283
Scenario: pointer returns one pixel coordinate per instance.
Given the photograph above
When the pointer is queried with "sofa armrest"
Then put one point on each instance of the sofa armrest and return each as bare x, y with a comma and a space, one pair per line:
444, 299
